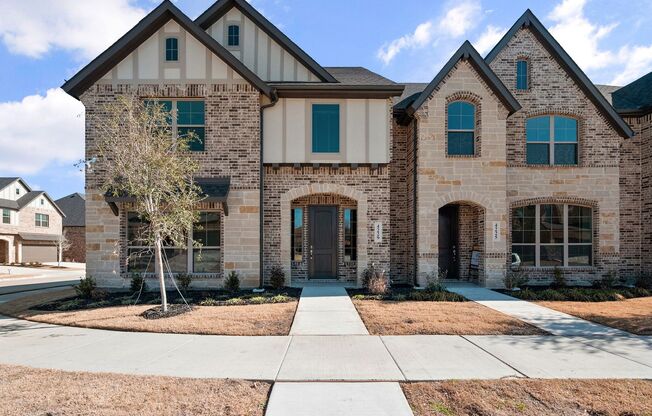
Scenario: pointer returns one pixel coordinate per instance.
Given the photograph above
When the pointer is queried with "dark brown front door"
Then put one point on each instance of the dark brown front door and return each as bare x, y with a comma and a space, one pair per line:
323, 242
448, 240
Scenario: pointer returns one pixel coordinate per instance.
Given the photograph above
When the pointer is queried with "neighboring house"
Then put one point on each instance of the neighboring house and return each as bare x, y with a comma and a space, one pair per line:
509, 159
30, 226
74, 226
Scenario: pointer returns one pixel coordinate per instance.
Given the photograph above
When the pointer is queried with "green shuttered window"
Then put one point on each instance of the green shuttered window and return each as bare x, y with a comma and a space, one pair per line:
325, 128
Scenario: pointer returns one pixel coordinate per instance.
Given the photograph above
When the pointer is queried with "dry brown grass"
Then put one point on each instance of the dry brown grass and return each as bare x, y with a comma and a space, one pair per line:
631, 315
26, 391
265, 319
531, 397
438, 318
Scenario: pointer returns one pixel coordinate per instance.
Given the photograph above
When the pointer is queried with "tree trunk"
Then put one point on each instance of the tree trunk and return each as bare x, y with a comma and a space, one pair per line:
160, 272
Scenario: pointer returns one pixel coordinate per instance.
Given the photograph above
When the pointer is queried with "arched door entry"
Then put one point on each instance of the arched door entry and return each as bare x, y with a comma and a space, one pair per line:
449, 241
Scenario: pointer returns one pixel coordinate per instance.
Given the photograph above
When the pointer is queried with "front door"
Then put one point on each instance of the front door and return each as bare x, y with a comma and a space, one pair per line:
448, 240
323, 242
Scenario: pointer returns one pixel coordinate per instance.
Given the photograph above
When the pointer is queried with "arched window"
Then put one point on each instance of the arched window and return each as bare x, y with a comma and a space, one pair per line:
461, 128
522, 74
551, 140
171, 49
552, 235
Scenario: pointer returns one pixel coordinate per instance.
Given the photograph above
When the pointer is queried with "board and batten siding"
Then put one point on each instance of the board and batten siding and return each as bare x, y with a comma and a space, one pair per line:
260, 53
147, 64
364, 131
9, 192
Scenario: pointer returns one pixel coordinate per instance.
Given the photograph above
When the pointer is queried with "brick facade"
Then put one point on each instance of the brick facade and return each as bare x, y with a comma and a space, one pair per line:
77, 238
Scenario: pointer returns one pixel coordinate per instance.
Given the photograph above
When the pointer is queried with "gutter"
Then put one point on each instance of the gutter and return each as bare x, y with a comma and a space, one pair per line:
261, 179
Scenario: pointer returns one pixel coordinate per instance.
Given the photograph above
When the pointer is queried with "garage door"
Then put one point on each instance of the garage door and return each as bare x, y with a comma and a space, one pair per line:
33, 253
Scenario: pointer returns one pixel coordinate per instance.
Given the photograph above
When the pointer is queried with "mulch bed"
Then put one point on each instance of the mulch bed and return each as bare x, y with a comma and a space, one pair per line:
173, 310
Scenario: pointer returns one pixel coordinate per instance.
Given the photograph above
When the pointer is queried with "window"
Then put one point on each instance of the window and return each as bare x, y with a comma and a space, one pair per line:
461, 128
6, 216
350, 234
522, 75
553, 235
17, 191
171, 49
297, 234
206, 259
42, 201
190, 121
551, 140
42, 220
233, 35
205, 256
325, 128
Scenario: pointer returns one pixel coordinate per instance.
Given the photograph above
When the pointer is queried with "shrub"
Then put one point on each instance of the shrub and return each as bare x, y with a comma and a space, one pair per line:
644, 281
280, 299
558, 280
367, 274
257, 300
232, 282
234, 301
433, 281
515, 279
358, 297
209, 302
607, 282
86, 287
277, 277
378, 283
138, 283
184, 281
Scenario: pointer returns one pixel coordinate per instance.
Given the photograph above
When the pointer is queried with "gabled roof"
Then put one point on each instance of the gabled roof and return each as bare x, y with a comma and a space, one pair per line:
4, 182
221, 7
165, 12
74, 206
467, 52
24, 200
635, 98
529, 20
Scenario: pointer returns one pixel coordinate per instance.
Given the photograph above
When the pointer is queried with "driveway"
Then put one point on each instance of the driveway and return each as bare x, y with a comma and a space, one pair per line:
18, 279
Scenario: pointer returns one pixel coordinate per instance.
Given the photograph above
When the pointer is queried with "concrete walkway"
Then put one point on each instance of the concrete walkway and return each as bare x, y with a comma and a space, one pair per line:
554, 322
326, 310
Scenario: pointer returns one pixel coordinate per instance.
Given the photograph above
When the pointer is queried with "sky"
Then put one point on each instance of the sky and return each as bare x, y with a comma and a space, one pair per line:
44, 42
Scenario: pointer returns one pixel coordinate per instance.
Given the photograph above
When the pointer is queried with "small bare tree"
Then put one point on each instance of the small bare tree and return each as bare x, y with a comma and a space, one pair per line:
138, 155
62, 243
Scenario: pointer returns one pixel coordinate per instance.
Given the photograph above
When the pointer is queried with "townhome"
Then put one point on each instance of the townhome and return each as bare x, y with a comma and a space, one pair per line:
502, 161
30, 226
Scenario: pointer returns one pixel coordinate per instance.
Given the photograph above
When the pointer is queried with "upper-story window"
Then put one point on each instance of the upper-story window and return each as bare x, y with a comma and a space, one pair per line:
325, 128
233, 35
461, 128
42, 220
42, 201
522, 75
190, 120
17, 191
6, 216
551, 140
171, 49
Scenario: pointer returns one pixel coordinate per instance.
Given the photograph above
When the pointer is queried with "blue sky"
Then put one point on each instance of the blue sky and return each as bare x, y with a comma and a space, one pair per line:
43, 42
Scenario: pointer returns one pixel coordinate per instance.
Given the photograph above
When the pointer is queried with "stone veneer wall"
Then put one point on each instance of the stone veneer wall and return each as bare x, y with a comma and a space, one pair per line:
232, 150
479, 179
594, 182
369, 187
77, 238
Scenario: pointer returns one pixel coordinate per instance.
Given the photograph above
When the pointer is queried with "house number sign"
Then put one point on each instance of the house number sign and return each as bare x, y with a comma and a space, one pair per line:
495, 231
378, 232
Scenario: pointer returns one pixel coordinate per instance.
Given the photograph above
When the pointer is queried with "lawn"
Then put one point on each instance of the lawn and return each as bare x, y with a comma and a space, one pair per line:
26, 391
631, 315
531, 397
234, 319
438, 312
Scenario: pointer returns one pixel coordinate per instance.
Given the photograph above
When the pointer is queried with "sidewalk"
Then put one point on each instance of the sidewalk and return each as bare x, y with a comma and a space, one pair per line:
326, 310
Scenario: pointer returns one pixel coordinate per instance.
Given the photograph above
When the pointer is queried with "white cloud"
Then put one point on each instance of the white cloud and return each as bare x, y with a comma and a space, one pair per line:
34, 27
579, 36
489, 38
40, 130
456, 22
638, 62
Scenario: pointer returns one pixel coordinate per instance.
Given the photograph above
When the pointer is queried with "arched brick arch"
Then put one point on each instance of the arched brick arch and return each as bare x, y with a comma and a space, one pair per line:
323, 188
462, 196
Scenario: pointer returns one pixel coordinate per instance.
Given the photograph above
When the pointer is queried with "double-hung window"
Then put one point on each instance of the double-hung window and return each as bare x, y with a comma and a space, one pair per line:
6, 216
325, 128
553, 235
206, 231
42, 220
233, 36
297, 234
551, 140
461, 129
190, 120
350, 234
171, 49
522, 75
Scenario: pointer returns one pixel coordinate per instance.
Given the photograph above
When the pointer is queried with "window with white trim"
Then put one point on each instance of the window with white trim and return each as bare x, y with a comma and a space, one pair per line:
42, 220
6, 216
553, 235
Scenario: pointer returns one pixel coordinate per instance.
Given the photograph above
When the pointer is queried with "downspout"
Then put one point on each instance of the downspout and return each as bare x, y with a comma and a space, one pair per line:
261, 179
